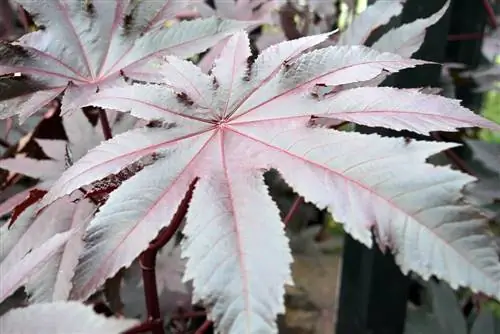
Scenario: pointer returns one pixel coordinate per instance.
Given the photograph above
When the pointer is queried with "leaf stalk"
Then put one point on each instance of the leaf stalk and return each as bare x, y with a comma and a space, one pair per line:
106, 128
491, 14
293, 209
148, 261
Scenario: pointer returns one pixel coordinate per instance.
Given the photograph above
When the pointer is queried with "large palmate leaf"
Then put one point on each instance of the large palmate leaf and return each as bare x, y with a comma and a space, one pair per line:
51, 281
234, 125
172, 292
15, 276
374, 16
408, 38
61, 318
404, 40
82, 136
84, 45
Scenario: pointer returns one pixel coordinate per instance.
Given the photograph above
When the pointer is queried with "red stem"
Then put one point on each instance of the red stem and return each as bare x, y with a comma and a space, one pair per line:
106, 128
293, 209
491, 14
148, 261
203, 327
454, 158
23, 18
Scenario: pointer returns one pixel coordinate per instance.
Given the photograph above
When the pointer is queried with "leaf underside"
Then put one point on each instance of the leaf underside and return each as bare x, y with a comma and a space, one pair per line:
239, 122
82, 48
226, 129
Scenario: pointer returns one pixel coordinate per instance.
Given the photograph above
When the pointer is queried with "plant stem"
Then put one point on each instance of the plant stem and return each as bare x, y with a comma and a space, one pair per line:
148, 261
491, 14
23, 18
287, 15
293, 209
203, 327
106, 129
